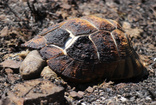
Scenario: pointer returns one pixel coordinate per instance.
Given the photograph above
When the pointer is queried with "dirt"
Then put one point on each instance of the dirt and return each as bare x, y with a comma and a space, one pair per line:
21, 21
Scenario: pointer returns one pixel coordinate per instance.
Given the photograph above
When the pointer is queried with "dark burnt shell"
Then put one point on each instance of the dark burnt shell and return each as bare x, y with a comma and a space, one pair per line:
83, 49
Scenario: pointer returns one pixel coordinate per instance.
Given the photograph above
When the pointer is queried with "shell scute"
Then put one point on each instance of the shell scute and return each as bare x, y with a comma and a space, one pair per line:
83, 49
122, 43
79, 27
105, 46
37, 42
101, 24
57, 37
51, 28
50, 52
59, 63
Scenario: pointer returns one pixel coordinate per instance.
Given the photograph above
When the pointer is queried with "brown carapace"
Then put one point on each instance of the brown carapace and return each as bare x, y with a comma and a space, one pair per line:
83, 49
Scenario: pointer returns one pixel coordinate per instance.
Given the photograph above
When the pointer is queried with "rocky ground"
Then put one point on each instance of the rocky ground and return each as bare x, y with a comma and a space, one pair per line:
21, 21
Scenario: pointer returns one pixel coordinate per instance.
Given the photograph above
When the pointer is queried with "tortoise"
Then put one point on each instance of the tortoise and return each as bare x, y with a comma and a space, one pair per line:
84, 49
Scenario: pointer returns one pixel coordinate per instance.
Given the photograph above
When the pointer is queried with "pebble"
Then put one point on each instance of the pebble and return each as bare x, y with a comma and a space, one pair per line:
80, 94
13, 78
73, 94
96, 91
123, 99
32, 65
8, 71
83, 103
47, 73
132, 98
4, 32
153, 103
29, 92
95, 103
102, 98
154, 60
148, 98
10, 64
101, 93
89, 89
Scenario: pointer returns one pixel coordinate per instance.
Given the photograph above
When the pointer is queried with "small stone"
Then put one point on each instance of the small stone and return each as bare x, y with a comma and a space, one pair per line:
98, 100
2, 17
102, 98
153, 103
8, 71
10, 64
126, 25
101, 93
4, 32
123, 99
47, 73
80, 94
95, 103
95, 86
83, 103
154, 59
132, 98
148, 99
36, 92
96, 91
12, 78
69, 99
32, 65
89, 89
73, 94
23, 54
66, 6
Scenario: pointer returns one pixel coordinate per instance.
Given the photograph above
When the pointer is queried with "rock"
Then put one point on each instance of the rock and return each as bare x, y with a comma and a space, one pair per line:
36, 92
8, 71
10, 64
89, 89
80, 94
83, 103
4, 32
2, 17
23, 54
121, 85
106, 84
123, 99
153, 103
101, 94
32, 65
68, 98
154, 59
47, 73
65, 6
148, 98
12, 78
102, 98
73, 94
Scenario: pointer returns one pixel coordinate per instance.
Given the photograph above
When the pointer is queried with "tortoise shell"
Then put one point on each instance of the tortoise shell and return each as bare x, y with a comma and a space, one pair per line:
83, 49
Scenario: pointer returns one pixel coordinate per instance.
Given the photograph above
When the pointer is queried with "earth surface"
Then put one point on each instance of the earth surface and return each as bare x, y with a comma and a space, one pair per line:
21, 20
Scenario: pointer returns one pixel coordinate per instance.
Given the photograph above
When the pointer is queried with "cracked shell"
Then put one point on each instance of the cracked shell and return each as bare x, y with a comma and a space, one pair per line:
83, 49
